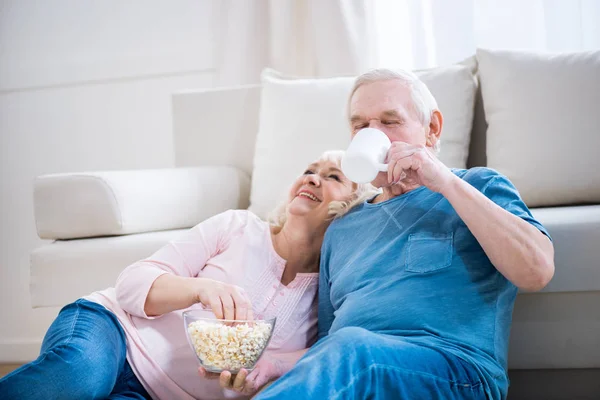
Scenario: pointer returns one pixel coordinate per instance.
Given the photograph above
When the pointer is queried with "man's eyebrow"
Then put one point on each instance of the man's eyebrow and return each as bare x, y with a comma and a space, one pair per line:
392, 114
356, 118
386, 113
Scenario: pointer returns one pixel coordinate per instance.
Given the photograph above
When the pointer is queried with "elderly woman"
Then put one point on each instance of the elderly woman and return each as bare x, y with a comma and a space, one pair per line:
129, 341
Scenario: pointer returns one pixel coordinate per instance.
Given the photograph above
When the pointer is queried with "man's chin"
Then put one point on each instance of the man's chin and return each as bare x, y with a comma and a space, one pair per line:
381, 183
381, 180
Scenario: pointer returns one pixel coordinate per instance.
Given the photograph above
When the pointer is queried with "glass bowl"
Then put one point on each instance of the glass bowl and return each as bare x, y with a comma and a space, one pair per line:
226, 345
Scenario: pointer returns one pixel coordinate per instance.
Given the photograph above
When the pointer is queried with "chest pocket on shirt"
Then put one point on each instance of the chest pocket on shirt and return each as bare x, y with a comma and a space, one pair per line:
428, 252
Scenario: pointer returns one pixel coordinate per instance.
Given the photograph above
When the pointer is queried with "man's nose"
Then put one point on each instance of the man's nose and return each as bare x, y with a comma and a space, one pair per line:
375, 123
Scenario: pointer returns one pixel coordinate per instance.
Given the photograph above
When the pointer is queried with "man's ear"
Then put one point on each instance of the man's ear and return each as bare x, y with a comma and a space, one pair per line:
435, 128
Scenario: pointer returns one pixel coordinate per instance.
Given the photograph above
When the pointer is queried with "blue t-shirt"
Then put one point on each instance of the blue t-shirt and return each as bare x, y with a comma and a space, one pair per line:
410, 267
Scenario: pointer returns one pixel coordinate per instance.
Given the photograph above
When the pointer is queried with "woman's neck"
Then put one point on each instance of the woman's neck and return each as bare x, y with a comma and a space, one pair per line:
299, 244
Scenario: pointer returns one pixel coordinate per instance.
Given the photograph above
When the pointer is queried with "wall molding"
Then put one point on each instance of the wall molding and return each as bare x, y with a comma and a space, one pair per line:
103, 81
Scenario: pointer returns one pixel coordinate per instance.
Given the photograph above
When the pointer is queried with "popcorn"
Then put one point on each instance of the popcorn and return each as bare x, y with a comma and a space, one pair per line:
228, 347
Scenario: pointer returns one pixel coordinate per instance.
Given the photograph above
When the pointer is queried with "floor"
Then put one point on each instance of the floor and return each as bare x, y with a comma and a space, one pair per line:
582, 384
7, 368
555, 384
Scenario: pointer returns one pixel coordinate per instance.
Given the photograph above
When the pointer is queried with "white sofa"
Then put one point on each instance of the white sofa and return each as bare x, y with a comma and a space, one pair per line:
101, 222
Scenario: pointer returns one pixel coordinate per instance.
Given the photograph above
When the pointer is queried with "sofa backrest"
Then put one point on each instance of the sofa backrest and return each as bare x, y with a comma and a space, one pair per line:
216, 126
540, 110
219, 127
477, 145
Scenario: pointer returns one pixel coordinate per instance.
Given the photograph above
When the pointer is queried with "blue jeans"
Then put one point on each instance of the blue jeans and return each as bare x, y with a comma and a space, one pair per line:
82, 357
354, 363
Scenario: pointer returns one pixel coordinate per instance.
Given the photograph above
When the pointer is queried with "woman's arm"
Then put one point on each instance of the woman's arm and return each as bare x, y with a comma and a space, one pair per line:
167, 280
169, 293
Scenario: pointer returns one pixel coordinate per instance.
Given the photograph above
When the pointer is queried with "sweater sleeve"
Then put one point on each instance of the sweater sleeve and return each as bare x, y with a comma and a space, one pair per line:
185, 256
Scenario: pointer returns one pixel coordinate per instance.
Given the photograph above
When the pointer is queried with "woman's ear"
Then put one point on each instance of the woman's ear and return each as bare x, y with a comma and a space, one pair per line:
435, 128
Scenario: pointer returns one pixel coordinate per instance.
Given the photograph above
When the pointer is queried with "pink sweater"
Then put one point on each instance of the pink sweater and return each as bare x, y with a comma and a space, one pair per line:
233, 247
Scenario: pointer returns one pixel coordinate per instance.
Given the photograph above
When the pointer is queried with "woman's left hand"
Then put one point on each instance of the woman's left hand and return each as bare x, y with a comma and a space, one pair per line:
266, 370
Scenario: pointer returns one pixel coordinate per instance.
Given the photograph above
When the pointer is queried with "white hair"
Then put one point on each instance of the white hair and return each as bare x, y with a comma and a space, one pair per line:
361, 192
423, 101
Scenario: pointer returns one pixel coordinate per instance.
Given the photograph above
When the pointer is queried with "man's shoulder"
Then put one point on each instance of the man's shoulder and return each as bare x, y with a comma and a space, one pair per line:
343, 227
480, 177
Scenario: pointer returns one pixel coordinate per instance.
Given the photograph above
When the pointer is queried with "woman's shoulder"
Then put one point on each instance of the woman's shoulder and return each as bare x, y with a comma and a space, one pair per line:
248, 218
240, 220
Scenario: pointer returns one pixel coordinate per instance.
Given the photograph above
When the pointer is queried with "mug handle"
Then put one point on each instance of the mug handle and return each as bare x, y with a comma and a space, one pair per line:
382, 167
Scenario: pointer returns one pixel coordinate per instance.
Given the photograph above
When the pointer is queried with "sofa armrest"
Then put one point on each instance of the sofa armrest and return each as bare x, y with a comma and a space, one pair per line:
78, 205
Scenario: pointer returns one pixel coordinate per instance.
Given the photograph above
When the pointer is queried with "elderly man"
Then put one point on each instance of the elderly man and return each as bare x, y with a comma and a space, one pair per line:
417, 285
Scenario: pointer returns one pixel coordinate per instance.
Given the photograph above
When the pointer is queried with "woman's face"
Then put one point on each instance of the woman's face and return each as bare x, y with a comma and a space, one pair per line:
312, 192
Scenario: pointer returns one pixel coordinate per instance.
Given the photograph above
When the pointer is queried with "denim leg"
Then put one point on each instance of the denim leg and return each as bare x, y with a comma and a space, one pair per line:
354, 363
128, 386
127, 395
82, 355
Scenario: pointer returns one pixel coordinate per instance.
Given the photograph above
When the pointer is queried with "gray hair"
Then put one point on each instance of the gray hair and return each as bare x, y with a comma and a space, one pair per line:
337, 209
423, 101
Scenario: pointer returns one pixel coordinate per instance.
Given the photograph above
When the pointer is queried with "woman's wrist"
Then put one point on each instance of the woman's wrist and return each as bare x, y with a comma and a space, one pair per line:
283, 362
195, 289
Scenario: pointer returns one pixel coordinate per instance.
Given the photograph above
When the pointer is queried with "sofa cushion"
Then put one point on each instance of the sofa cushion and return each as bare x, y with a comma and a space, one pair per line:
557, 327
65, 270
555, 330
77, 205
543, 119
575, 232
301, 118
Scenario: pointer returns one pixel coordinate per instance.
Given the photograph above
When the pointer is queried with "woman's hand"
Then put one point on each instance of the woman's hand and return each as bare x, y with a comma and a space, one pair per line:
226, 301
170, 292
266, 370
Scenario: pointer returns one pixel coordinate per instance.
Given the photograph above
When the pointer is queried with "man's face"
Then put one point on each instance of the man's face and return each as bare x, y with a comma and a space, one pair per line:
387, 106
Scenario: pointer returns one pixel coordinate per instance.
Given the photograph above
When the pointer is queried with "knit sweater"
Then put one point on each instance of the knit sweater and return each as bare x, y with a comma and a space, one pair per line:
233, 247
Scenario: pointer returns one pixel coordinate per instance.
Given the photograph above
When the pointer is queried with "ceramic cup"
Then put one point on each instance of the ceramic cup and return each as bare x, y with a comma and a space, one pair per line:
365, 155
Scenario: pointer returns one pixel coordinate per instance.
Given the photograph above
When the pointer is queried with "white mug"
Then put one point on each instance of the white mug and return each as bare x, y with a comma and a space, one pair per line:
365, 156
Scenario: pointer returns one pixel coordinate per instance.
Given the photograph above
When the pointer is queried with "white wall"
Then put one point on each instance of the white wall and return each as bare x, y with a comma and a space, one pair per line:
84, 86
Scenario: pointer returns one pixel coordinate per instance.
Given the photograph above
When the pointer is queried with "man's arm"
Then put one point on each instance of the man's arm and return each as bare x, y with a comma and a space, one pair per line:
523, 254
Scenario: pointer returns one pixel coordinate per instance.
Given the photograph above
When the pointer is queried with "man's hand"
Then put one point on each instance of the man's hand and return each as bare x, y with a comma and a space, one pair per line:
266, 370
416, 164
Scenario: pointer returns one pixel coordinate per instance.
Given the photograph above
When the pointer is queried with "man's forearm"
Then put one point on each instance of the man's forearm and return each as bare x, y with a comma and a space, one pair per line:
523, 254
